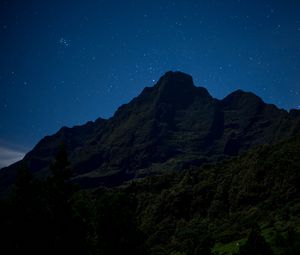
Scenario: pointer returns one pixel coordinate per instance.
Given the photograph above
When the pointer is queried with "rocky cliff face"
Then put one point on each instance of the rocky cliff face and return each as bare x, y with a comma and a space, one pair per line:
170, 126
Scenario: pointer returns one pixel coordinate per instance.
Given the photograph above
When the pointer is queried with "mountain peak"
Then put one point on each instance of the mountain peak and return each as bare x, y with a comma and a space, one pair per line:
175, 81
242, 98
177, 88
178, 76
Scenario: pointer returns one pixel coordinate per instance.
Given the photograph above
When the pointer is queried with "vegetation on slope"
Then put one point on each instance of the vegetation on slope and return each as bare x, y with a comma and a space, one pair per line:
246, 205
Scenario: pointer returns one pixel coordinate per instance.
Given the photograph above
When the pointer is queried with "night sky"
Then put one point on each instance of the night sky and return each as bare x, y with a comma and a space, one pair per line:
63, 63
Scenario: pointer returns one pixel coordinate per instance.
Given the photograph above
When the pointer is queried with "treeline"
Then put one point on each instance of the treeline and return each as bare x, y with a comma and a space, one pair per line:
248, 205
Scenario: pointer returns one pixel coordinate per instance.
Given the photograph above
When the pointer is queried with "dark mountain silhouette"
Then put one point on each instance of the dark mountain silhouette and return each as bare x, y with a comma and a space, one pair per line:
171, 126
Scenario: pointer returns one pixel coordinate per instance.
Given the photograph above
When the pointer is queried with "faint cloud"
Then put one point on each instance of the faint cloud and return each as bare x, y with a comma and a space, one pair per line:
9, 156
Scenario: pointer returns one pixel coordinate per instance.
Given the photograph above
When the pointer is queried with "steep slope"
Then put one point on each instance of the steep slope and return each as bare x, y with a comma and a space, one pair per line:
170, 126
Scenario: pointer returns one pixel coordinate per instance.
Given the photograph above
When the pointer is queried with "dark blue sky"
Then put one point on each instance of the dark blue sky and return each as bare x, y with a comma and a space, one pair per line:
66, 62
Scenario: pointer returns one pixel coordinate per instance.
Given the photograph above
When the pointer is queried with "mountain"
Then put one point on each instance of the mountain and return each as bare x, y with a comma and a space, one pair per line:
173, 125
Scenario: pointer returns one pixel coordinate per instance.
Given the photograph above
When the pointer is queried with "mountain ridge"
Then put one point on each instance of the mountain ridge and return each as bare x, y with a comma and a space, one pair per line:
170, 126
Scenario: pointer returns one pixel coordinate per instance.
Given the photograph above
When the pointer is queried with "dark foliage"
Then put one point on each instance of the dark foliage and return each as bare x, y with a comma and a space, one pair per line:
38, 219
246, 205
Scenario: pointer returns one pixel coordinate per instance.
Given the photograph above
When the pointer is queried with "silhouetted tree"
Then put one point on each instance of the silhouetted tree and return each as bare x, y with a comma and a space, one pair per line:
256, 244
24, 222
59, 192
60, 168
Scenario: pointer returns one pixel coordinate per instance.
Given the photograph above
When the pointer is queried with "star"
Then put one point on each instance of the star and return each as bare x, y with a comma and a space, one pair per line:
64, 42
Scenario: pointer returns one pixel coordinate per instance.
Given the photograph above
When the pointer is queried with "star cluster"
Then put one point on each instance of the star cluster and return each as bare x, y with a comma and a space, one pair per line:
64, 63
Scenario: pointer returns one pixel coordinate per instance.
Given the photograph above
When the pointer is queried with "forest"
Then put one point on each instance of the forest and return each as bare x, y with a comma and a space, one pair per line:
248, 204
